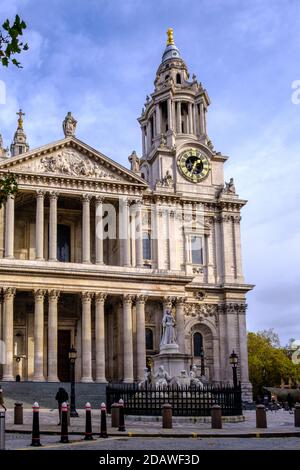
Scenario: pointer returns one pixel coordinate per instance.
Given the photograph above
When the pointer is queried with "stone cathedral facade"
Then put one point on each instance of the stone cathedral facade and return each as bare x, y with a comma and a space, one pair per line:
92, 253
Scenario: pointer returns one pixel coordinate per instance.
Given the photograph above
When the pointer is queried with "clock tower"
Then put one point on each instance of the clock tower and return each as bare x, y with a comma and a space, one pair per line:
176, 150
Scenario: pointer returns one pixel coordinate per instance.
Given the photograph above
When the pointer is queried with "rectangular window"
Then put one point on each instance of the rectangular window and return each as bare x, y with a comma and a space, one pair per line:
197, 250
146, 246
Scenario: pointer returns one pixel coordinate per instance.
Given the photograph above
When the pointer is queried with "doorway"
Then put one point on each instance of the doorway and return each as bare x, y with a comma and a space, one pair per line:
63, 363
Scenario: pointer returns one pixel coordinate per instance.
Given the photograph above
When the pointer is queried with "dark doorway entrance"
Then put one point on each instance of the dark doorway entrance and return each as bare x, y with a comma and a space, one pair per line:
64, 243
64, 344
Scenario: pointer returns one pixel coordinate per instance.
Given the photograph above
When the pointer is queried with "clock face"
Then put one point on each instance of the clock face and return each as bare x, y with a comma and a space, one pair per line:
194, 165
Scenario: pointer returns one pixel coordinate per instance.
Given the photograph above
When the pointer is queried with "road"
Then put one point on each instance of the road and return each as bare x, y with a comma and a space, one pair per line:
21, 441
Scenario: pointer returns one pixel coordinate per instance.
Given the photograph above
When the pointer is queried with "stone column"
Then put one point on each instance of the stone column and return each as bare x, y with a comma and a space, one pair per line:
160, 237
100, 338
196, 131
124, 231
237, 248
10, 227
179, 130
53, 296
158, 119
86, 230
172, 240
127, 336
149, 143
228, 247
38, 375
53, 227
139, 234
86, 338
243, 343
210, 252
39, 225
143, 141
169, 104
190, 119
201, 118
99, 229
8, 333
140, 336
180, 302
216, 354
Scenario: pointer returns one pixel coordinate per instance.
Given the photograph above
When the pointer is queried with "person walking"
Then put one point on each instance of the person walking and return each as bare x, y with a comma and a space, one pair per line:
61, 397
2, 399
290, 401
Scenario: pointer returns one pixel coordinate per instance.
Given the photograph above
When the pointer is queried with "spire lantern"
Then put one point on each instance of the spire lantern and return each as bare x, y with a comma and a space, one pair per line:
19, 144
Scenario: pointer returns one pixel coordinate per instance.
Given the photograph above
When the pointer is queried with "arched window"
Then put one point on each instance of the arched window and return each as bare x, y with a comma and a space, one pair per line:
178, 78
198, 344
149, 339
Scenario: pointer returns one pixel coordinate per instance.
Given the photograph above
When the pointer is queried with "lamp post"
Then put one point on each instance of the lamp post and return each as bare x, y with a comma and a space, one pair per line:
202, 362
233, 359
72, 359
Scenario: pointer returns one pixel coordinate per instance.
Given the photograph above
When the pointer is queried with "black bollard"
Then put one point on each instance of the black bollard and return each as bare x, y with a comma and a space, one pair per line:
103, 425
121, 416
64, 437
88, 435
36, 442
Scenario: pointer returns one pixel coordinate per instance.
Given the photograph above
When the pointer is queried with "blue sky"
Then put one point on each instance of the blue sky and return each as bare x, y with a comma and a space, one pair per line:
98, 58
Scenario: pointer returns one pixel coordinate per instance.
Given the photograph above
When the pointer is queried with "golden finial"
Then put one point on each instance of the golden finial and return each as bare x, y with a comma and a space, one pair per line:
20, 120
170, 40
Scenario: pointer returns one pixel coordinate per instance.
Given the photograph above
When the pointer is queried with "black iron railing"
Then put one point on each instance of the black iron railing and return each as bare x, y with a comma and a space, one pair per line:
185, 401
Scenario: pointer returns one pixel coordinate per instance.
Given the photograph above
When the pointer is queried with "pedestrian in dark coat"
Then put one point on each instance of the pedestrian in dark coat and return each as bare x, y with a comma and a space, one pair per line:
61, 397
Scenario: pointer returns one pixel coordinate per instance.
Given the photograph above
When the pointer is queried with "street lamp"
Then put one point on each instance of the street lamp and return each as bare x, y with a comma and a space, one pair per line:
72, 359
233, 359
202, 362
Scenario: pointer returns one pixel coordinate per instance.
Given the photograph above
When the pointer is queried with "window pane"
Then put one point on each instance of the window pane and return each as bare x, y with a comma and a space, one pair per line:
196, 246
198, 344
149, 339
146, 246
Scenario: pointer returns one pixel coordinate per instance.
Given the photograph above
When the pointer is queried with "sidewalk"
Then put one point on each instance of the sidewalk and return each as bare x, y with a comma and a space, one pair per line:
280, 424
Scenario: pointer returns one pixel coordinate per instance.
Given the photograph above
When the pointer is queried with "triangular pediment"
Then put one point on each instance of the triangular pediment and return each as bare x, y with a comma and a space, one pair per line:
71, 158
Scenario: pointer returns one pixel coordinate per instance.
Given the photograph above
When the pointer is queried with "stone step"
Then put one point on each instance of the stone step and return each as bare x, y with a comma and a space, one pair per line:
44, 393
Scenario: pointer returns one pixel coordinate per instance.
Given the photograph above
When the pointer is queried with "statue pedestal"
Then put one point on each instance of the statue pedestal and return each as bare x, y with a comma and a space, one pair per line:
173, 361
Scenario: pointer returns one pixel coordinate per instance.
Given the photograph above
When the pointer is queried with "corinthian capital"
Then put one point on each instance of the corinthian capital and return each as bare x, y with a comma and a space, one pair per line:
39, 294
141, 299
53, 294
87, 296
9, 292
100, 297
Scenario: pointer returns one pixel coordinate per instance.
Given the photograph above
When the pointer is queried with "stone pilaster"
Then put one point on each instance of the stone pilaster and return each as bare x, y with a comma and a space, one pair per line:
10, 227
140, 336
190, 118
99, 235
39, 225
179, 125
124, 235
38, 375
86, 337
180, 302
127, 336
53, 227
8, 332
139, 234
86, 229
100, 338
53, 297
